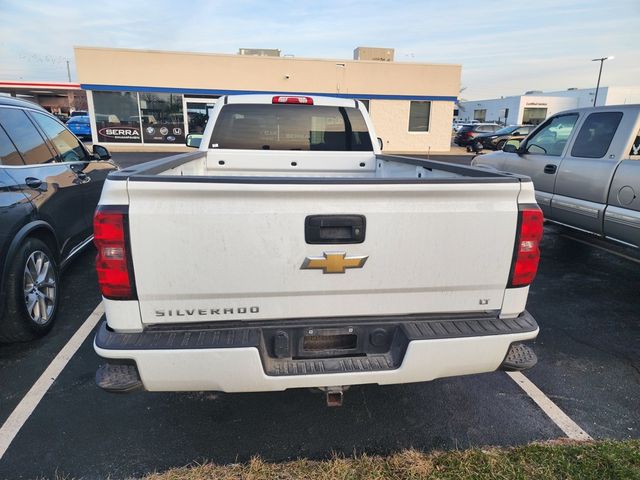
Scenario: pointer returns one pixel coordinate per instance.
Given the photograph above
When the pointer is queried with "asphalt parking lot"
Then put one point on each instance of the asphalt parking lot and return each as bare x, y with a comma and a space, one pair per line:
585, 300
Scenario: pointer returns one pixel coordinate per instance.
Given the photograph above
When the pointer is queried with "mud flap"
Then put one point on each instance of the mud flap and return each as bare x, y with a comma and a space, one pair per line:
118, 378
519, 357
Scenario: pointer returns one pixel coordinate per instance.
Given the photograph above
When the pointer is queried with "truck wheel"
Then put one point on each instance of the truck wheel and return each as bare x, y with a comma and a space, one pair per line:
500, 144
31, 293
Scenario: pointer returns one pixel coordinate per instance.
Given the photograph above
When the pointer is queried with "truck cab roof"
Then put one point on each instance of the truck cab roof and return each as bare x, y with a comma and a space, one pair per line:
606, 108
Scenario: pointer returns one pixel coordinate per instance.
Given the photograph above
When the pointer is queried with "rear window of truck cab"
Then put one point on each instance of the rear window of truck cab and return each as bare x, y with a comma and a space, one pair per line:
596, 134
290, 127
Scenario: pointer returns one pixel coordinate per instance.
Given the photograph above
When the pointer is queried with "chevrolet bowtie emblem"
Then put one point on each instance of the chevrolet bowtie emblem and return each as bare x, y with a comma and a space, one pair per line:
333, 262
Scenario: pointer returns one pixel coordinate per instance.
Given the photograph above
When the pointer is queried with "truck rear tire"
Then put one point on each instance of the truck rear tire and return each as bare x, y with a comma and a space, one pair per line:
31, 294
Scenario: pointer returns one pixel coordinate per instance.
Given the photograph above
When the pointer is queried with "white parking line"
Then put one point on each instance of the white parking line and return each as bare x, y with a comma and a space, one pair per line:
561, 419
28, 404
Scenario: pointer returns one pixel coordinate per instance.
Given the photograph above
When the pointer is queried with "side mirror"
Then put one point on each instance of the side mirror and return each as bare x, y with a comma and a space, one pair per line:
380, 143
193, 140
512, 146
101, 152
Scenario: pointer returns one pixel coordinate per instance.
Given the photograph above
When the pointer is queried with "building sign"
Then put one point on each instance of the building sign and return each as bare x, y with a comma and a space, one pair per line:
163, 133
540, 104
118, 133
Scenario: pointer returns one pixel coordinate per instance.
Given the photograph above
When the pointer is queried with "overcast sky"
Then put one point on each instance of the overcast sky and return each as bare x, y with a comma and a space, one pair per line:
505, 47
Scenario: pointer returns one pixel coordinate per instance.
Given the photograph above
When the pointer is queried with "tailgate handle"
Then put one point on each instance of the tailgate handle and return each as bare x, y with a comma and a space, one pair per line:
334, 229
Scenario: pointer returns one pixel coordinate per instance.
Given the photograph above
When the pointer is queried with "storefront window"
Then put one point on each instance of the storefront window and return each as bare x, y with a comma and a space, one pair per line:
162, 118
116, 115
480, 115
198, 114
419, 115
534, 116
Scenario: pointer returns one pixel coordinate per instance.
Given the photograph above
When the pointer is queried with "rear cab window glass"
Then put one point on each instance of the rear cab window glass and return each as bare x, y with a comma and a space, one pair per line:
63, 140
8, 153
596, 134
25, 136
290, 127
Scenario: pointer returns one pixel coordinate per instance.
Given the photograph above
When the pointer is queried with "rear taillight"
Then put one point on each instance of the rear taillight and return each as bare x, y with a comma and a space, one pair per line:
298, 100
115, 273
526, 253
469, 134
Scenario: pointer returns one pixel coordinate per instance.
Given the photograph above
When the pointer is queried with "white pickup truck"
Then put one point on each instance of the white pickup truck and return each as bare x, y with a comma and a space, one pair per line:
289, 252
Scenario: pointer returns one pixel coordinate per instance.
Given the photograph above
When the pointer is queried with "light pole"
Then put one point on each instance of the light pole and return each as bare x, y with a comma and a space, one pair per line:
601, 60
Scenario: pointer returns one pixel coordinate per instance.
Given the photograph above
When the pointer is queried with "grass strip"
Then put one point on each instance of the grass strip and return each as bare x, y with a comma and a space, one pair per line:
560, 459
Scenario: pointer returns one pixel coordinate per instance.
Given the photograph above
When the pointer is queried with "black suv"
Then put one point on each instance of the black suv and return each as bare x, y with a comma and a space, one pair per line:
497, 140
49, 188
468, 133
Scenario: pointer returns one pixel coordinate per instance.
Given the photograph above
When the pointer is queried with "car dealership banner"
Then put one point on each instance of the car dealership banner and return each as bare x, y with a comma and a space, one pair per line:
118, 133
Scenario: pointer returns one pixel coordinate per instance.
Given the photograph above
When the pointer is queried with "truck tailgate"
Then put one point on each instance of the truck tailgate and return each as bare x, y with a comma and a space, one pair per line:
215, 251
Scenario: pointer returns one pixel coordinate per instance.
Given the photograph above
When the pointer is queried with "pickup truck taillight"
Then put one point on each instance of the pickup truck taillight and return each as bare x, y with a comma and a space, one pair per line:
287, 99
526, 254
115, 273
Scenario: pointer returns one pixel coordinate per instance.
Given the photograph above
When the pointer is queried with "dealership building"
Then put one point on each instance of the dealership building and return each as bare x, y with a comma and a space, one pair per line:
535, 106
148, 100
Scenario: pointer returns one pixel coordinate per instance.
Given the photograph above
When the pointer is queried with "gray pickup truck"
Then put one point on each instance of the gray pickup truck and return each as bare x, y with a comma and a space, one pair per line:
585, 167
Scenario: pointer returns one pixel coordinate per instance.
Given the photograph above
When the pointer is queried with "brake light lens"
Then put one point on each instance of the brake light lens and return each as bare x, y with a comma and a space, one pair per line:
298, 100
526, 254
115, 275
469, 134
